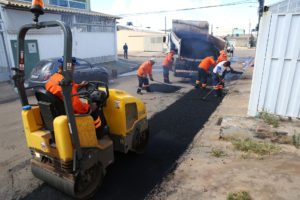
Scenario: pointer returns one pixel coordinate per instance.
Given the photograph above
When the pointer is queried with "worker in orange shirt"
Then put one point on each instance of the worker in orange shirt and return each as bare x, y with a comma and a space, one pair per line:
167, 65
222, 57
203, 71
78, 106
144, 70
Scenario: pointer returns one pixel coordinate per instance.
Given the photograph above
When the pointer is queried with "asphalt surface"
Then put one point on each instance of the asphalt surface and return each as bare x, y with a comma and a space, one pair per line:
171, 131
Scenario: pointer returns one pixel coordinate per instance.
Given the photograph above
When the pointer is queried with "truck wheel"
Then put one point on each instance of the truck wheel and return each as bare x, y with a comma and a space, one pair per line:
141, 140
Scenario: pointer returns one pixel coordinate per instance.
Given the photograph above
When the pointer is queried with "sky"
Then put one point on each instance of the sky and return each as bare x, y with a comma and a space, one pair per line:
237, 16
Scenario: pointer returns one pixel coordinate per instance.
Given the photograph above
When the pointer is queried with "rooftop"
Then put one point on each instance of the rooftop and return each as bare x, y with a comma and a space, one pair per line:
140, 29
53, 9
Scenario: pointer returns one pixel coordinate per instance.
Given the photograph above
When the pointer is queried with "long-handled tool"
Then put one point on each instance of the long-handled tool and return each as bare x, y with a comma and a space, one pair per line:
204, 97
161, 82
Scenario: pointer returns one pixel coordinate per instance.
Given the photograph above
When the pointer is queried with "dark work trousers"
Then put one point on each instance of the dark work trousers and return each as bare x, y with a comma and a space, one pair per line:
143, 81
202, 77
218, 85
125, 54
166, 73
98, 122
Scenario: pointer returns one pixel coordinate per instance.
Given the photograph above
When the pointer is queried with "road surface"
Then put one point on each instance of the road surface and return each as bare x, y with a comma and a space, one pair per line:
175, 114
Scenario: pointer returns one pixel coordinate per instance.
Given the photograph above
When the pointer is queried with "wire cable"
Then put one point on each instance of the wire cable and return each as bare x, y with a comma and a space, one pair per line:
188, 9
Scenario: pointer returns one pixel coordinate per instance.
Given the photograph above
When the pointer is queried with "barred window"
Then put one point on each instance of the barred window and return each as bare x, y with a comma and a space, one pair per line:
94, 23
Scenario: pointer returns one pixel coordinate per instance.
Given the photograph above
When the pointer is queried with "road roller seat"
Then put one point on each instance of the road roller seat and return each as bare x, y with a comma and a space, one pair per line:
50, 107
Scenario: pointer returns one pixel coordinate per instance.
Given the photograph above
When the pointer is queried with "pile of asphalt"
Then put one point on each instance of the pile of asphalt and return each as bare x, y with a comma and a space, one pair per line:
164, 88
171, 131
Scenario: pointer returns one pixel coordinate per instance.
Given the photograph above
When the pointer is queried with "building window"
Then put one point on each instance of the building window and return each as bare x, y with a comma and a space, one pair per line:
94, 23
78, 4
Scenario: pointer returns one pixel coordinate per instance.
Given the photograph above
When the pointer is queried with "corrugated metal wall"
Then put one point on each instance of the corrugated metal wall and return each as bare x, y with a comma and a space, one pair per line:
276, 77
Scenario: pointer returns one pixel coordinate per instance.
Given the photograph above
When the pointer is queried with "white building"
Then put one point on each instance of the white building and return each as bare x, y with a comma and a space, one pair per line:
94, 34
276, 77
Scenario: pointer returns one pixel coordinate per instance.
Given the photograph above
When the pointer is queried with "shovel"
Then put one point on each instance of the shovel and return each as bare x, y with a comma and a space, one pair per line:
205, 96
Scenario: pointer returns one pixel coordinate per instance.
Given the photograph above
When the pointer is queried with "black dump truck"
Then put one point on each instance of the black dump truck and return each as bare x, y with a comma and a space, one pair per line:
192, 42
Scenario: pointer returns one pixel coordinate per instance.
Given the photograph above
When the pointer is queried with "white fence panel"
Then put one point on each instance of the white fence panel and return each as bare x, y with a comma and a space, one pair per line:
276, 78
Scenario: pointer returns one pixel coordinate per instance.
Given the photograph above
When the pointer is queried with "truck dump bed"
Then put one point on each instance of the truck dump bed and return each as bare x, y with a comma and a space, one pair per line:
193, 43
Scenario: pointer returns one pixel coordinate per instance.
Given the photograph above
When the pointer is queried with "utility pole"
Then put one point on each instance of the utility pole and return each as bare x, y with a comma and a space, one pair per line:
165, 24
249, 27
260, 11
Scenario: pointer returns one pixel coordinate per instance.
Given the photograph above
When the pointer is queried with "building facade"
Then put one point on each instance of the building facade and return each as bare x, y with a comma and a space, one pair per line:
74, 4
94, 35
139, 39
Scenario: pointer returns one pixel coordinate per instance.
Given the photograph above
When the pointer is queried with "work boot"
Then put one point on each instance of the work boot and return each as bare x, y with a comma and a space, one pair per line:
166, 81
139, 92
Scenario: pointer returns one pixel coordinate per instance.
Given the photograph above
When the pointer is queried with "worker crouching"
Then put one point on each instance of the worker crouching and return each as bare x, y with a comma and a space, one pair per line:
203, 69
144, 70
218, 75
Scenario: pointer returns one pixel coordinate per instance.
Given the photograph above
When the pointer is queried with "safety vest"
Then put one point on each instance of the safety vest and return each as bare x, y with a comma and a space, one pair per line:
168, 61
206, 63
146, 68
53, 86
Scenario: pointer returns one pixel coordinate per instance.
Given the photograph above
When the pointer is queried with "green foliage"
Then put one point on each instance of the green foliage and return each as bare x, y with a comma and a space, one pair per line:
252, 146
242, 195
296, 140
246, 156
270, 119
218, 153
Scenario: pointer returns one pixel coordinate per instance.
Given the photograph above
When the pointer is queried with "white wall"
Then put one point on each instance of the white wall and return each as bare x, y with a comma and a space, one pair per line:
89, 44
94, 46
14, 19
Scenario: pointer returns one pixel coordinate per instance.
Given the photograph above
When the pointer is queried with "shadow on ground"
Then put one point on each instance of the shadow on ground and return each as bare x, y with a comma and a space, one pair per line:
171, 131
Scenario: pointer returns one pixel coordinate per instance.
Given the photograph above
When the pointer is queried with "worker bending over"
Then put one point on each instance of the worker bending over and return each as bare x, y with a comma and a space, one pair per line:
167, 65
203, 71
143, 71
222, 57
78, 106
218, 75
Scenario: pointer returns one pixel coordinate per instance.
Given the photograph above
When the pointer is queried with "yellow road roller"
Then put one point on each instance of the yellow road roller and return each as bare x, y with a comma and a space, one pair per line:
65, 150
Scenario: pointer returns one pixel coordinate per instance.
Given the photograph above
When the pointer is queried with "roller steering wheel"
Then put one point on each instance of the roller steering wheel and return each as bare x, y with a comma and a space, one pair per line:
87, 90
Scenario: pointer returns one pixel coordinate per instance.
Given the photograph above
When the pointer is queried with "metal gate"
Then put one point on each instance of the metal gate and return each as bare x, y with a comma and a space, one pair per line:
153, 43
276, 77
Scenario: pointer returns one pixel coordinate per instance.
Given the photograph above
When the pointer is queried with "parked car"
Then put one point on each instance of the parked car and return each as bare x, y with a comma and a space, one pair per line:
46, 68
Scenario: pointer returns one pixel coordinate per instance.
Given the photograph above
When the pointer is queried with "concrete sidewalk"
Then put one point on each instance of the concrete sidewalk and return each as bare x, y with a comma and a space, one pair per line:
211, 168
7, 92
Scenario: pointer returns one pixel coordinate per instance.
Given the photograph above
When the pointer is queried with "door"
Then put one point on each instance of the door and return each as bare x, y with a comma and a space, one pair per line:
4, 68
32, 56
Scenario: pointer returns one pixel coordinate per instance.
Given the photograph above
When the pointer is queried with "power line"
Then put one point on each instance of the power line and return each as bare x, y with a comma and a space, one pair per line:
188, 9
